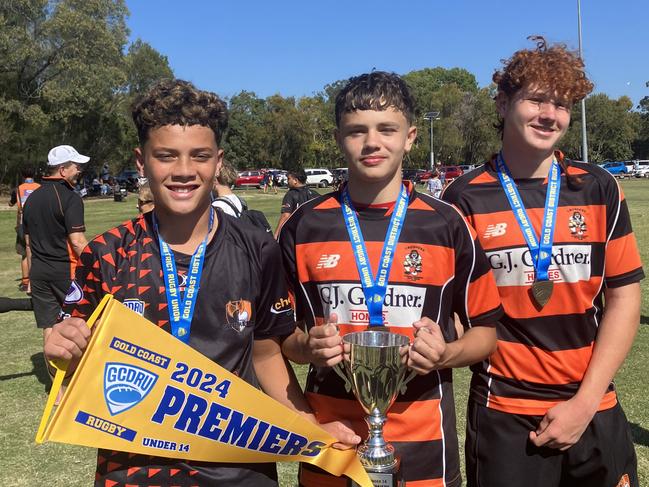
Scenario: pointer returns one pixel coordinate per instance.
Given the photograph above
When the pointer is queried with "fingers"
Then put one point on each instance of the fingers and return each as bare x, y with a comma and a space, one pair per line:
427, 350
342, 431
67, 340
325, 344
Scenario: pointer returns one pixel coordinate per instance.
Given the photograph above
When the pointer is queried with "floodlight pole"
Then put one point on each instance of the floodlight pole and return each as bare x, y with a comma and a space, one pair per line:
431, 116
584, 138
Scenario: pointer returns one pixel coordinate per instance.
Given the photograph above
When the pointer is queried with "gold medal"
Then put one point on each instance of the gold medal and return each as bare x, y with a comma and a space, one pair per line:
542, 291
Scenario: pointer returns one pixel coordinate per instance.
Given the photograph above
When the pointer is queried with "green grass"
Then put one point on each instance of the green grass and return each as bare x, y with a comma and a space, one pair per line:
23, 381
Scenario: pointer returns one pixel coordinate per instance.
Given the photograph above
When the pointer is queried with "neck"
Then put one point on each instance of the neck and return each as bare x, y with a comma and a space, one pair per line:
374, 193
525, 162
185, 233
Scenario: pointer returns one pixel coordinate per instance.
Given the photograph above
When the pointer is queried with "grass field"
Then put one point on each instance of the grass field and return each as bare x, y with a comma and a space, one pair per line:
23, 380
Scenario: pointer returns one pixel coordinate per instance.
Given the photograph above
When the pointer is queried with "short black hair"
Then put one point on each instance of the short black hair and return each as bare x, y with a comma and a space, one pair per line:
377, 90
298, 174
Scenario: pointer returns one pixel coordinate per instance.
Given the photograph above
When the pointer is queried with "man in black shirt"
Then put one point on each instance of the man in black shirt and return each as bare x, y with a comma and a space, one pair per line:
54, 225
242, 311
298, 193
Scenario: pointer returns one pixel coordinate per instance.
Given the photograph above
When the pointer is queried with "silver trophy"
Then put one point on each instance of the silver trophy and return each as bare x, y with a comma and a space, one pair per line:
375, 368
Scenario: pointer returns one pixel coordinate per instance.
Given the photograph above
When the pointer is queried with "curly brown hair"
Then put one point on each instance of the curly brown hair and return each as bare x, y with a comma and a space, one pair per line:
178, 102
555, 68
228, 175
377, 90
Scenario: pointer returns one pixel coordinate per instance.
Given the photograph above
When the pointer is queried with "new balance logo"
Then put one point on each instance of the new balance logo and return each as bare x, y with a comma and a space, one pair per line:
495, 230
328, 261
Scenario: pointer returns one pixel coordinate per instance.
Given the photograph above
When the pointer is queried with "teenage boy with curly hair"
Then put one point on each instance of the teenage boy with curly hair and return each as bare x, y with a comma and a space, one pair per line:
543, 410
180, 130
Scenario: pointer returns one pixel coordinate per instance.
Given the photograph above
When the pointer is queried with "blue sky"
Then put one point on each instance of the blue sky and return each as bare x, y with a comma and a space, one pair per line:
295, 47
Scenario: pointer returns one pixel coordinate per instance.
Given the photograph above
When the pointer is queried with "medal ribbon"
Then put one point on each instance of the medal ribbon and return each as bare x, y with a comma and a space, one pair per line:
541, 251
374, 289
181, 308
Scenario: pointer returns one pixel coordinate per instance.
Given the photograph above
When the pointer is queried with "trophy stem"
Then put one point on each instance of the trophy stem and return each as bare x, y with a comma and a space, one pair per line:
376, 454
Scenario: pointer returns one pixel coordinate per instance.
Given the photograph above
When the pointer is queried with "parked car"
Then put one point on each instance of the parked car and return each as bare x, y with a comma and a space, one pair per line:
617, 169
319, 177
641, 169
466, 168
127, 179
451, 172
413, 175
249, 178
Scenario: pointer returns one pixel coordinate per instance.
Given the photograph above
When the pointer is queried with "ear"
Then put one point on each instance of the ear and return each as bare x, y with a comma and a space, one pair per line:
139, 161
502, 104
410, 138
219, 162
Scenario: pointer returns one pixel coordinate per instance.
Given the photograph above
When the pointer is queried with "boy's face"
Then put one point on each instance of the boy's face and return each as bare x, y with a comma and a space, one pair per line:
180, 163
534, 117
374, 143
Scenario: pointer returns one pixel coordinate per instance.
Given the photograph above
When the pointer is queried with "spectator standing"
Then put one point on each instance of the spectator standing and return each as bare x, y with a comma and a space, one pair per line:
434, 185
19, 197
54, 225
297, 194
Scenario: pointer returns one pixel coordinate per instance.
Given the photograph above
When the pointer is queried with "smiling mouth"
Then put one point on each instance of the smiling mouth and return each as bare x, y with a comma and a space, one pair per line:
372, 160
541, 128
182, 189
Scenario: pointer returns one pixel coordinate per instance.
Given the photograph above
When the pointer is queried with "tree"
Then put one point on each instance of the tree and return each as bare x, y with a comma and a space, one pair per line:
144, 67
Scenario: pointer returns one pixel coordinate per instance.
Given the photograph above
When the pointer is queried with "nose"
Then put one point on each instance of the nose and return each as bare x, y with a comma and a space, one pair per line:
183, 168
372, 139
548, 110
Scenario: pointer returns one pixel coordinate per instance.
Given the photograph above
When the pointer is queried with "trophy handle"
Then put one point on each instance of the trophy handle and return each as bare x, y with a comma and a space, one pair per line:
403, 388
339, 369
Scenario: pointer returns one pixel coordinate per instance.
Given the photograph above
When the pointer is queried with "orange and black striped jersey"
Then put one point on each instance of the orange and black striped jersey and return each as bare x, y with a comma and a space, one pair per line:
543, 354
439, 269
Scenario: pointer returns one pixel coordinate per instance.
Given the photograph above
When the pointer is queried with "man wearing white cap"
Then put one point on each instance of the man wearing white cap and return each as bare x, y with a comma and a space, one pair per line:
54, 226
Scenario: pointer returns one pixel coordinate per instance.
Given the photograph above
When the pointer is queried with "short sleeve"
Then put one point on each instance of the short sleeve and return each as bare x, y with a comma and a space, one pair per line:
74, 215
289, 262
623, 265
274, 311
288, 203
476, 298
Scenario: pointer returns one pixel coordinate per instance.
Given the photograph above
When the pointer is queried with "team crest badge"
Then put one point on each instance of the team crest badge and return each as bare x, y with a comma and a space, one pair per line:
577, 225
412, 264
126, 386
238, 314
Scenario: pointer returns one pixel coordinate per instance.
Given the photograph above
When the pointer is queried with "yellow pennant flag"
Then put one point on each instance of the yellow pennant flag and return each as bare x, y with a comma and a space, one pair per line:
138, 389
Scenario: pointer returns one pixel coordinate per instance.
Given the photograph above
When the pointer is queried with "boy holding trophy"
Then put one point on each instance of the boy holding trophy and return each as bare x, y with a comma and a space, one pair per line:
427, 264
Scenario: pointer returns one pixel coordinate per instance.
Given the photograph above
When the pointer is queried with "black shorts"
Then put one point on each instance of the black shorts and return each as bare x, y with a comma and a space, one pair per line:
499, 453
47, 298
21, 245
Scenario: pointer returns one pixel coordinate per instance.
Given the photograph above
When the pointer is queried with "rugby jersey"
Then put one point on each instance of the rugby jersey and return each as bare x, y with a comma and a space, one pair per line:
543, 353
438, 269
242, 272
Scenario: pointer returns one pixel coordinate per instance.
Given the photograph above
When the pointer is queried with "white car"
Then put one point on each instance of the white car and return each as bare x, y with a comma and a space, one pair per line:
319, 177
641, 169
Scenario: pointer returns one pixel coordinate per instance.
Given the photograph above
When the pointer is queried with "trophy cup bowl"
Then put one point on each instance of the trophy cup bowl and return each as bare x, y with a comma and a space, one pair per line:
374, 369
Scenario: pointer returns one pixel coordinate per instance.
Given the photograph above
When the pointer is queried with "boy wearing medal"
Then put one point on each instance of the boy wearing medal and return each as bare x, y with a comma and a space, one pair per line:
221, 276
378, 253
543, 410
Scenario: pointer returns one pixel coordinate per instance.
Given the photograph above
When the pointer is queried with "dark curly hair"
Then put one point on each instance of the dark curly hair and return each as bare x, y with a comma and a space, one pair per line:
377, 90
178, 102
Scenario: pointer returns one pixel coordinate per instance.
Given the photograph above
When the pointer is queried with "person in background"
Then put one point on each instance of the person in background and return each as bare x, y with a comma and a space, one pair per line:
19, 197
298, 193
226, 200
54, 227
145, 202
434, 185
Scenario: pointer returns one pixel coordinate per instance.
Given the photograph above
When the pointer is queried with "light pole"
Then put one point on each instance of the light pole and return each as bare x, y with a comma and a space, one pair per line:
584, 140
431, 116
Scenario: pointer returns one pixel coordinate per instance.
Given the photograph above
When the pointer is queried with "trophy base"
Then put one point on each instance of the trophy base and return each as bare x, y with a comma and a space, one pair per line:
391, 478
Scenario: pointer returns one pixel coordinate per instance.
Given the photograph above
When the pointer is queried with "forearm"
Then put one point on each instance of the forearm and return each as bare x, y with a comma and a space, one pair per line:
78, 242
276, 377
615, 336
475, 344
282, 218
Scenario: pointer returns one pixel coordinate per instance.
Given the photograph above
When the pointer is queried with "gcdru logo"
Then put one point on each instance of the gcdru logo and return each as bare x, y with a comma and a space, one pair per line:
135, 305
126, 385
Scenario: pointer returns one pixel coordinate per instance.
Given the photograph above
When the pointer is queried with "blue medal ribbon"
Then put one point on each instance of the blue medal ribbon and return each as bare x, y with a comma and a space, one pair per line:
181, 308
541, 251
374, 289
